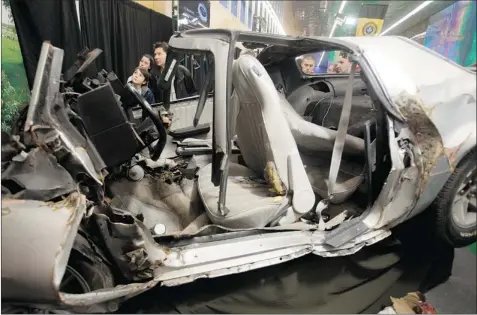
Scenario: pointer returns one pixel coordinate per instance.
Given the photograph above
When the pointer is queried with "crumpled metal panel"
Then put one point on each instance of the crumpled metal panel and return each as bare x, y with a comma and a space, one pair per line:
37, 238
41, 176
130, 243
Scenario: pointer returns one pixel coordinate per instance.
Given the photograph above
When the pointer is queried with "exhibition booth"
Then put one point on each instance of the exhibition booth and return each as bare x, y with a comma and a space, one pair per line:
412, 260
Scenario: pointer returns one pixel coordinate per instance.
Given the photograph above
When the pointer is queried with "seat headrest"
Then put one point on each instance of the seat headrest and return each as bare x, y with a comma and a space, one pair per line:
263, 133
248, 73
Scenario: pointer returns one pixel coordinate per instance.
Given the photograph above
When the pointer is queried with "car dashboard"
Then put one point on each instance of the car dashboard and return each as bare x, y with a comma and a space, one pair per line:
320, 99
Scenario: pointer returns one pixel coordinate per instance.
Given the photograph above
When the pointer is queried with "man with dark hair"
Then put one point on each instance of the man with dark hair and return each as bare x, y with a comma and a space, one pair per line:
308, 64
343, 65
182, 84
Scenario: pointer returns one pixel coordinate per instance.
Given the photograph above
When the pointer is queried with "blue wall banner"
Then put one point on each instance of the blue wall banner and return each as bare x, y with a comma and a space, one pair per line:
193, 14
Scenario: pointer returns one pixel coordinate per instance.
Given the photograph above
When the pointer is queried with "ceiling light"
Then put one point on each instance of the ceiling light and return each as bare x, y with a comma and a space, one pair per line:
407, 16
343, 3
333, 29
351, 20
342, 6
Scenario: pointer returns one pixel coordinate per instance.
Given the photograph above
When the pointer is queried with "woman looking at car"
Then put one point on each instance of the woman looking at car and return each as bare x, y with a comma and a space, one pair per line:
145, 63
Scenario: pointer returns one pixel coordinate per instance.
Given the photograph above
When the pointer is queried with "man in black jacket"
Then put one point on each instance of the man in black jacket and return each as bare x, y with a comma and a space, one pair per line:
182, 83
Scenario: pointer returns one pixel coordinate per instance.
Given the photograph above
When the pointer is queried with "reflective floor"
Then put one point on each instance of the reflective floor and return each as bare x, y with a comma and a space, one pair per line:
458, 294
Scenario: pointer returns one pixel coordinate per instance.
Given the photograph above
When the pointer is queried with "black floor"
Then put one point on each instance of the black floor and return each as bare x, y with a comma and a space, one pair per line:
458, 294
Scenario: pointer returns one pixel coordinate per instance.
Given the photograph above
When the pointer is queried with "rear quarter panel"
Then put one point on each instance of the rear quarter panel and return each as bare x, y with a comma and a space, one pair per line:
435, 96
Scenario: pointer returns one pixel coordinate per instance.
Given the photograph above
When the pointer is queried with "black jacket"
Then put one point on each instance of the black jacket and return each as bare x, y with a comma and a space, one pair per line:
184, 86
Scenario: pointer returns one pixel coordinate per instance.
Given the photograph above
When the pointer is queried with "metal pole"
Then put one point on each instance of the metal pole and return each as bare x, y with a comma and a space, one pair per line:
175, 15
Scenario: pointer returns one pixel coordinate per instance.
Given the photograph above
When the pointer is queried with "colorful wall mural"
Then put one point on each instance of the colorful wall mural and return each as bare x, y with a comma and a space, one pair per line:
452, 32
15, 91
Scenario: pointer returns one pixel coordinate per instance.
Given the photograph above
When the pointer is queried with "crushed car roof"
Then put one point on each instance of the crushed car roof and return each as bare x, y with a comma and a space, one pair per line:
407, 72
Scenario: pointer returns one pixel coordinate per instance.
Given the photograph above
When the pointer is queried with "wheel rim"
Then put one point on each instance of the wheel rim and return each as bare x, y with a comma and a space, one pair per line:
73, 282
464, 206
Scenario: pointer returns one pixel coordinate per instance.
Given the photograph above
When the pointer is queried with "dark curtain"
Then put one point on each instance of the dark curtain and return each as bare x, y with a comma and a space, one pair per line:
39, 20
199, 71
124, 30
97, 20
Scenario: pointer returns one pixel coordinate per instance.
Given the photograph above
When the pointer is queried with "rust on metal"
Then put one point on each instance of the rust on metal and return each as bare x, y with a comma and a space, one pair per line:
452, 153
72, 203
426, 135
8, 202
69, 203
6, 211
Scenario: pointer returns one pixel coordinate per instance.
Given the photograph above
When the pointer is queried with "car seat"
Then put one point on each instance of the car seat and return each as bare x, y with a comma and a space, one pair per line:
264, 138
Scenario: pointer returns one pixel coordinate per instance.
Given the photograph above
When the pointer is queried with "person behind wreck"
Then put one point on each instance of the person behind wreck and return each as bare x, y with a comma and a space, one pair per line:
146, 62
182, 84
308, 64
343, 65
139, 81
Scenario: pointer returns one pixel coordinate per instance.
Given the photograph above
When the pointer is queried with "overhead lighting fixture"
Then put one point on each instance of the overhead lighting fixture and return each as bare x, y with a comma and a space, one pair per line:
340, 11
407, 16
351, 20
340, 19
342, 6
343, 3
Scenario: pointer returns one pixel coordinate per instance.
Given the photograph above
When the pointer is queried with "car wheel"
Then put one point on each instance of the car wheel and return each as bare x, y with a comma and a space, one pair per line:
456, 204
83, 275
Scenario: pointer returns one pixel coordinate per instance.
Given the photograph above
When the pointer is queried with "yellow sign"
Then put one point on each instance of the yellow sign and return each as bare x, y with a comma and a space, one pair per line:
369, 27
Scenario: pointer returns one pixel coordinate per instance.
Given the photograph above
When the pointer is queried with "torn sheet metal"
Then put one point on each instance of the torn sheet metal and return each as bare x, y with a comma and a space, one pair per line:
426, 135
443, 90
130, 243
451, 106
37, 241
40, 176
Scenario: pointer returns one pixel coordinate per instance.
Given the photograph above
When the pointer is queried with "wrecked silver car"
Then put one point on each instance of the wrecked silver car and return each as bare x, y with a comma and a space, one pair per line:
100, 202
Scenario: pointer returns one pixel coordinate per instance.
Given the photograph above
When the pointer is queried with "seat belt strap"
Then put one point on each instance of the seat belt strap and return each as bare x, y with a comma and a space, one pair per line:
341, 134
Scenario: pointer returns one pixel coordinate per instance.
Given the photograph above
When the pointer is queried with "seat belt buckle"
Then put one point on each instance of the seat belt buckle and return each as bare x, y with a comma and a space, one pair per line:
223, 209
322, 205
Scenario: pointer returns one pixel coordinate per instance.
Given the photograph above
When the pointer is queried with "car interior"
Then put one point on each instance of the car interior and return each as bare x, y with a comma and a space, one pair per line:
311, 107
315, 104
262, 113
284, 129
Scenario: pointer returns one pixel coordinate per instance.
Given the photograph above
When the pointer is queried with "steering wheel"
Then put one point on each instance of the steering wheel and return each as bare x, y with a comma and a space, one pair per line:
161, 143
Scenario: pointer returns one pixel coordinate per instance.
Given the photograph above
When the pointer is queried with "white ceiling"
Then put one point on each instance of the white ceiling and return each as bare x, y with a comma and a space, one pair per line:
398, 9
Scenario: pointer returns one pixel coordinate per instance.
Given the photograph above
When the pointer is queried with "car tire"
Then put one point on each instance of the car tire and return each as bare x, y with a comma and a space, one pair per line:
84, 275
451, 226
